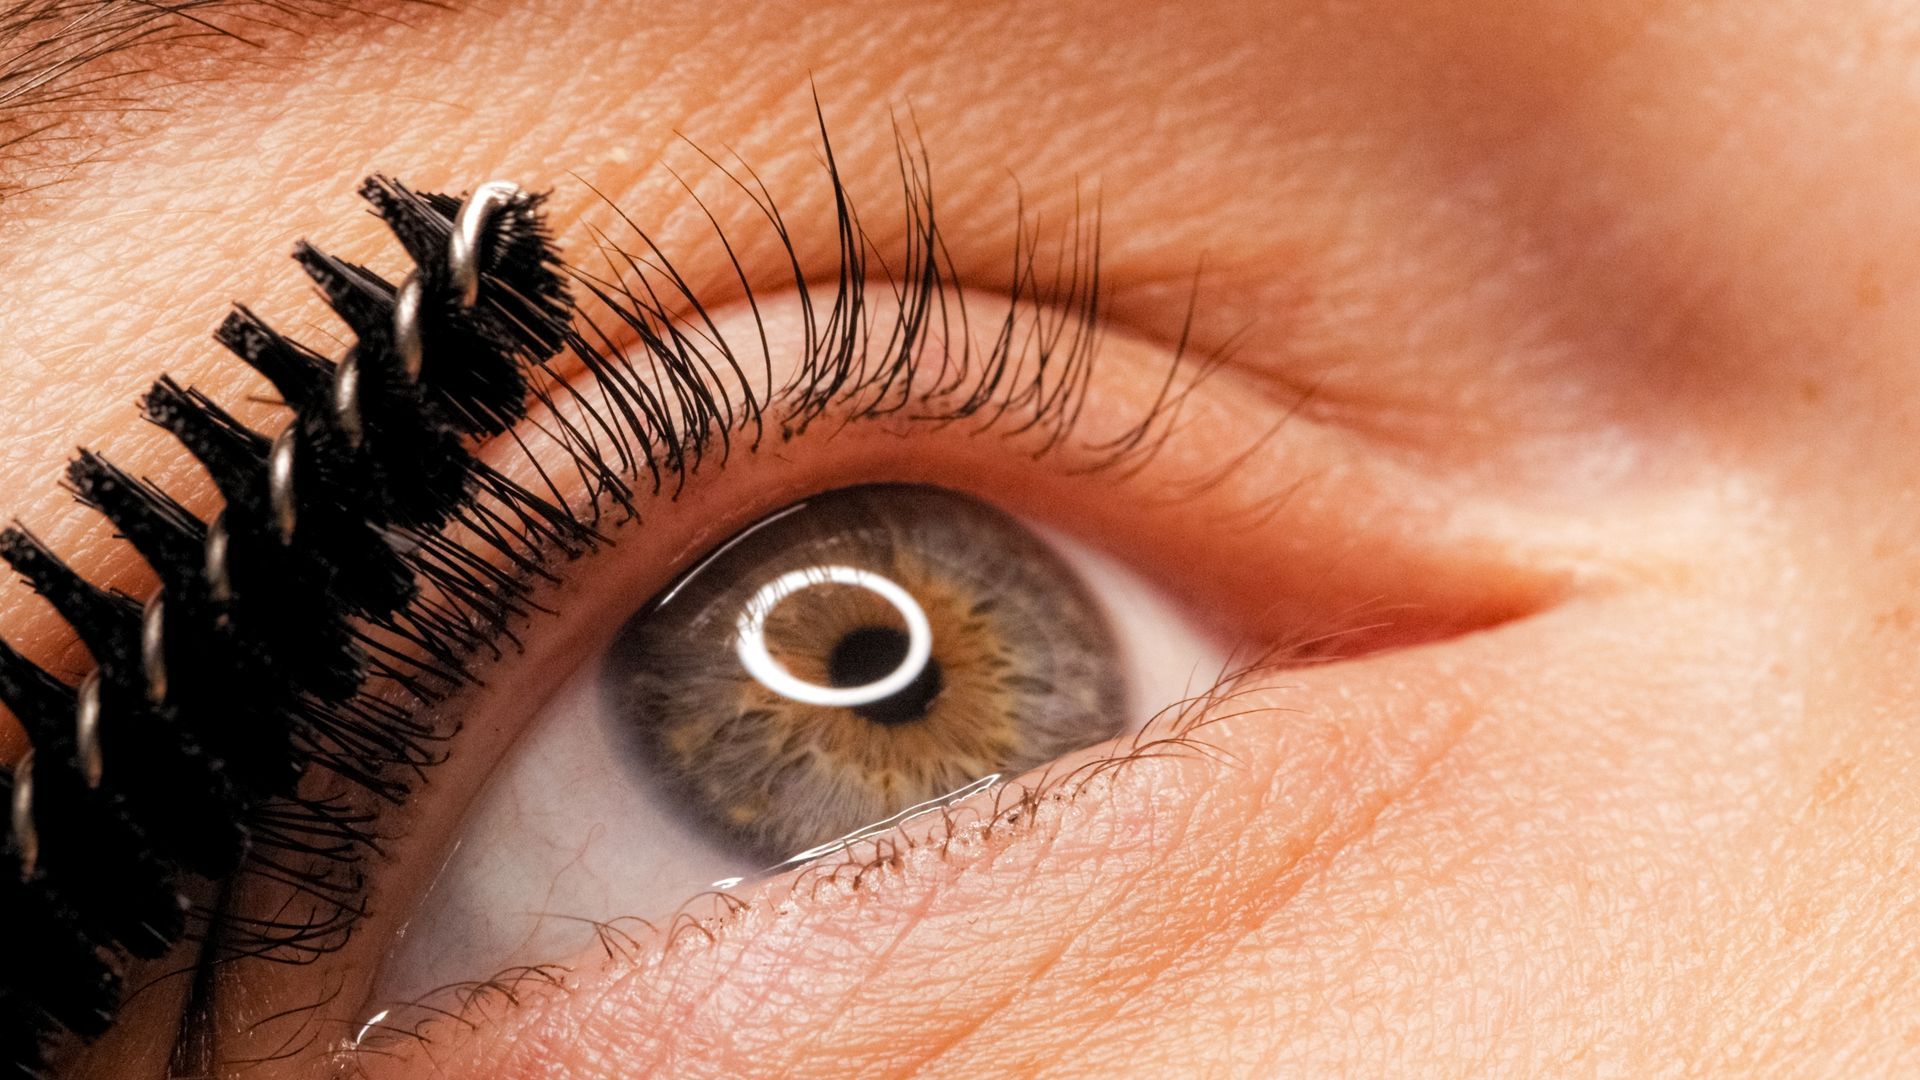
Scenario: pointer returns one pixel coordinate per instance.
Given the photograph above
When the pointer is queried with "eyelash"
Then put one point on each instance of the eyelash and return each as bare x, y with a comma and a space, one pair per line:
648, 417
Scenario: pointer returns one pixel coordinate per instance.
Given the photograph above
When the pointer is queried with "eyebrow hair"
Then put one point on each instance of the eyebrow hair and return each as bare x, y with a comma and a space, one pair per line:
65, 64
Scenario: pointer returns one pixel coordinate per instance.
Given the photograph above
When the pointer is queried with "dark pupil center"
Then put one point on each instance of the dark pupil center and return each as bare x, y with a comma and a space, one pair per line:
870, 654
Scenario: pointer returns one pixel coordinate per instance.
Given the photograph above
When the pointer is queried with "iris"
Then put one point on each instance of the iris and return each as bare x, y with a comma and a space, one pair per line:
1022, 665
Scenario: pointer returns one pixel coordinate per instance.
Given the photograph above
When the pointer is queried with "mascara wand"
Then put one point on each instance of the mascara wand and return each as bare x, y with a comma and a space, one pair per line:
186, 753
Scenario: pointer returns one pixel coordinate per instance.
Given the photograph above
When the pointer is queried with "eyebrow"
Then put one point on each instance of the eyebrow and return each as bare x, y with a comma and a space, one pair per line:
67, 66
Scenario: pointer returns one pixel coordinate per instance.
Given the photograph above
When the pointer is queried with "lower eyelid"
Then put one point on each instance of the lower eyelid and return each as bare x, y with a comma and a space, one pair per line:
868, 944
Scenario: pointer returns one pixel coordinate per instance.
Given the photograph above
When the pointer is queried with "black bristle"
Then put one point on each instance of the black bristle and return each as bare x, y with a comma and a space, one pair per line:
336, 501
467, 363
98, 860
251, 685
303, 377
95, 862
176, 774
234, 456
23, 1036
477, 358
288, 594
171, 540
98, 616
254, 754
362, 298
420, 220
414, 470
410, 434
56, 978
43, 704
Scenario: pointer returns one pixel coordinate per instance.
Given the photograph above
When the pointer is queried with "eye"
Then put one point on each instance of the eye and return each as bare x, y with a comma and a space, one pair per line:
772, 700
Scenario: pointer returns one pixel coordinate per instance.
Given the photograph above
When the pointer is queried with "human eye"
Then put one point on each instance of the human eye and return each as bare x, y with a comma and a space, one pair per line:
741, 596
741, 725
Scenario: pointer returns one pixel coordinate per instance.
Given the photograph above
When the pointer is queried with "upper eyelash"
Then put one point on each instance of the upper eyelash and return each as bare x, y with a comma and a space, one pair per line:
663, 390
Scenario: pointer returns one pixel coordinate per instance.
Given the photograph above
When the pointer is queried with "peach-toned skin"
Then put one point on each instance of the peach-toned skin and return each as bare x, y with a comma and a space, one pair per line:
1604, 309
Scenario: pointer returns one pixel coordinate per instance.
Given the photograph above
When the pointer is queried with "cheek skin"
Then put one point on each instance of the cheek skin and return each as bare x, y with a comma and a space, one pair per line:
1434, 862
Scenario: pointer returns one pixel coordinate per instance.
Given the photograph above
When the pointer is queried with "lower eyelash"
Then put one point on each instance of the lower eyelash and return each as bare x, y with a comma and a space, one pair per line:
383, 598
1010, 810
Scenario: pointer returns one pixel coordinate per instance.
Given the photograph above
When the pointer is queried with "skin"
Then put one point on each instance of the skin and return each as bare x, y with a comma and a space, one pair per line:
1591, 322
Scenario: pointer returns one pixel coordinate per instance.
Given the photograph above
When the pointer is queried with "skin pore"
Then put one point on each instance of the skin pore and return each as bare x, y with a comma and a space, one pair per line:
1588, 325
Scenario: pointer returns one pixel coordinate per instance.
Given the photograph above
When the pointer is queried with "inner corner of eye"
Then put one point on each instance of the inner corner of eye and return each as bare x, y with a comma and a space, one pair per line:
849, 660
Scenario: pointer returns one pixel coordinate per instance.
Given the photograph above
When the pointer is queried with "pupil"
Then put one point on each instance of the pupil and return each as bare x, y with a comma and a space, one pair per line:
870, 654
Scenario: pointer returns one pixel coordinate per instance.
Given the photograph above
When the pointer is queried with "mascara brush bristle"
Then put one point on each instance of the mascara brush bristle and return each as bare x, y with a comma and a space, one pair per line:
249, 668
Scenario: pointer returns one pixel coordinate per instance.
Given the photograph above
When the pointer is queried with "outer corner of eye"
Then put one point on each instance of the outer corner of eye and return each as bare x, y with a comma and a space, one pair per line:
861, 655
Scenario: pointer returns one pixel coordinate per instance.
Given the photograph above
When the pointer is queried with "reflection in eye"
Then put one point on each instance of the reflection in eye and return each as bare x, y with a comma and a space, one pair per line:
1021, 670
663, 768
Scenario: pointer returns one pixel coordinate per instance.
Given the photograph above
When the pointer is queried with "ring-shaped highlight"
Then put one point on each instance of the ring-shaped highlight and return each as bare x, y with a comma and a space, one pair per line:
751, 643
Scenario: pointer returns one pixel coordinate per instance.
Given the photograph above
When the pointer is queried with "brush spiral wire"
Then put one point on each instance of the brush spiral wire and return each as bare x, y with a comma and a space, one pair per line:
191, 751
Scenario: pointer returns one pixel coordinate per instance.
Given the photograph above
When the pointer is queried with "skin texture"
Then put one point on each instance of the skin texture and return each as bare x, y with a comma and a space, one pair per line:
1603, 311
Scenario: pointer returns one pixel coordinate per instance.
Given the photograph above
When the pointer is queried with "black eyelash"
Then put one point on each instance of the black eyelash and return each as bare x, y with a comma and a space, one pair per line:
410, 556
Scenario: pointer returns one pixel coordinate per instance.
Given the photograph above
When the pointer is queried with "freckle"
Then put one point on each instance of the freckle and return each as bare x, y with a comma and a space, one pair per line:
1812, 392
1898, 618
1869, 290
